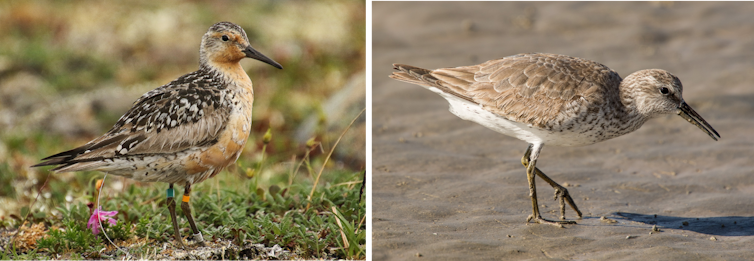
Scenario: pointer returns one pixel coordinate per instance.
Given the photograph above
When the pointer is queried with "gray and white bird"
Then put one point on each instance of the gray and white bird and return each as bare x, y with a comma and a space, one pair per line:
556, 100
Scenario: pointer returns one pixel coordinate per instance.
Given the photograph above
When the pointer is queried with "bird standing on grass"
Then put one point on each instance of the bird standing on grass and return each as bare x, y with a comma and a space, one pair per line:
183, 132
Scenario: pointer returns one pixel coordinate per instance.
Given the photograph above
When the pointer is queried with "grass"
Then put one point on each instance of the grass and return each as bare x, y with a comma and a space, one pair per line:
232, 208
271, 206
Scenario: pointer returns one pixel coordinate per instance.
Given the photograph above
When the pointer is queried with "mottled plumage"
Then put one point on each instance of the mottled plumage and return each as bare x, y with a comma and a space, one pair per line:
181, 118
185, 131
554, 99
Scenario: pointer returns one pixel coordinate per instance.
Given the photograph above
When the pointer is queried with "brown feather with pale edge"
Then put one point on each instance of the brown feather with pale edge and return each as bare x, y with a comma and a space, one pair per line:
534, 88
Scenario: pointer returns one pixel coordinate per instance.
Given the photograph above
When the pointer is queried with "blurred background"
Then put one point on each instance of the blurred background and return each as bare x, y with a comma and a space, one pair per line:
70, 69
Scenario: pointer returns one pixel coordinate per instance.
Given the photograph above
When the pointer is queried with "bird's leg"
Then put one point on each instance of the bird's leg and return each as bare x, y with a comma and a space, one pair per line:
533, 194
187, 211
530, 161
171, 208
363, 182
561, 193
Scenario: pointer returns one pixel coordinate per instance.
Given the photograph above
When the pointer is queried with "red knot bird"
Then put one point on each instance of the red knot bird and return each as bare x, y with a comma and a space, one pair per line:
557, 100
183, 132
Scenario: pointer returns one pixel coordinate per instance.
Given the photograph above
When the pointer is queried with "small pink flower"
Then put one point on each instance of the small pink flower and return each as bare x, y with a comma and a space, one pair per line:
98, 215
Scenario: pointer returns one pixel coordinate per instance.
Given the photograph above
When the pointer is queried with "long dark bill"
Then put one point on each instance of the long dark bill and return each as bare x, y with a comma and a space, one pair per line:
685, 111
254, 54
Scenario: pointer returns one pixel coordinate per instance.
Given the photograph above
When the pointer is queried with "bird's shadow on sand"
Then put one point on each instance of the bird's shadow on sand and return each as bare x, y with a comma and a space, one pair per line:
719, 226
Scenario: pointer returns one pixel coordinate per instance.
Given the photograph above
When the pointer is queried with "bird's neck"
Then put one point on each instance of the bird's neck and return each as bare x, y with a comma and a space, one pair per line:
230, 71
628, 97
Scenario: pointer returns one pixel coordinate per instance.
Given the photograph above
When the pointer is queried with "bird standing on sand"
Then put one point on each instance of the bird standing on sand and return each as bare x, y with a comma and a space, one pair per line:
554, 99
183, 132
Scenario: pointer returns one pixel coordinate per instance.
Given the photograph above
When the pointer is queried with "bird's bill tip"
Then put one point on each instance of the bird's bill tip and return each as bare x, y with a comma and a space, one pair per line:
685, 111
254, 54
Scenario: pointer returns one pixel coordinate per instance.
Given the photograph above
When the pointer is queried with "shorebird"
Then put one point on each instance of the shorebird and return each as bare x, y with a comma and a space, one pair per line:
557, 100
183, 132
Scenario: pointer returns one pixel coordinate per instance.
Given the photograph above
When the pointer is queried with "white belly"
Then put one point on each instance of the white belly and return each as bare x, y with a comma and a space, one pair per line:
474, 112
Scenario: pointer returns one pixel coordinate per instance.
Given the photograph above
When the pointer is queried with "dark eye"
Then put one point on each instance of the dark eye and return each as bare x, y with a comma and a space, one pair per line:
225, 38
664, 90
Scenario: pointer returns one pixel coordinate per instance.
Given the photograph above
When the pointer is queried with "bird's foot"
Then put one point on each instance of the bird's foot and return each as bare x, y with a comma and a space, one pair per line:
179, 243
561, 195
540, 220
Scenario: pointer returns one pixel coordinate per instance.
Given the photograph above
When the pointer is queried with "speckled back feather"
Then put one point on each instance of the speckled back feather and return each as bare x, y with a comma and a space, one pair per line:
185, 113
186, 130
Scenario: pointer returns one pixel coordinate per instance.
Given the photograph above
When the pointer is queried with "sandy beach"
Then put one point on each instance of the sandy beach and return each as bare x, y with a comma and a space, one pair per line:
449, 189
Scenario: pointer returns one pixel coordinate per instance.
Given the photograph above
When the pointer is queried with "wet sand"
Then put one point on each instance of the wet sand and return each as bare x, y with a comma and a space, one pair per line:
449, 189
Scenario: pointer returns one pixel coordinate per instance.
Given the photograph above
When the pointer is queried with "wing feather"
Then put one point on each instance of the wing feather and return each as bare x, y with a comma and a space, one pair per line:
529, 88
175, 117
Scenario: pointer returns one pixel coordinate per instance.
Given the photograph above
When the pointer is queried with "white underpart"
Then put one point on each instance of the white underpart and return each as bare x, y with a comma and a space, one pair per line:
474, 112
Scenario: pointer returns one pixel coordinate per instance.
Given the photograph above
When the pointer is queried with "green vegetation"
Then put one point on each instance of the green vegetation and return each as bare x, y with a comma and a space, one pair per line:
235, 215
233, 207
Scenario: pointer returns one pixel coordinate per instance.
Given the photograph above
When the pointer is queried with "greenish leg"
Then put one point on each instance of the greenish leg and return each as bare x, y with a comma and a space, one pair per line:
561, 193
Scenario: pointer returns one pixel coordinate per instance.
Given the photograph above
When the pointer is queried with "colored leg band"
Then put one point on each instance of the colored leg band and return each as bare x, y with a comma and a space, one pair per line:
170, 193
186, 198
